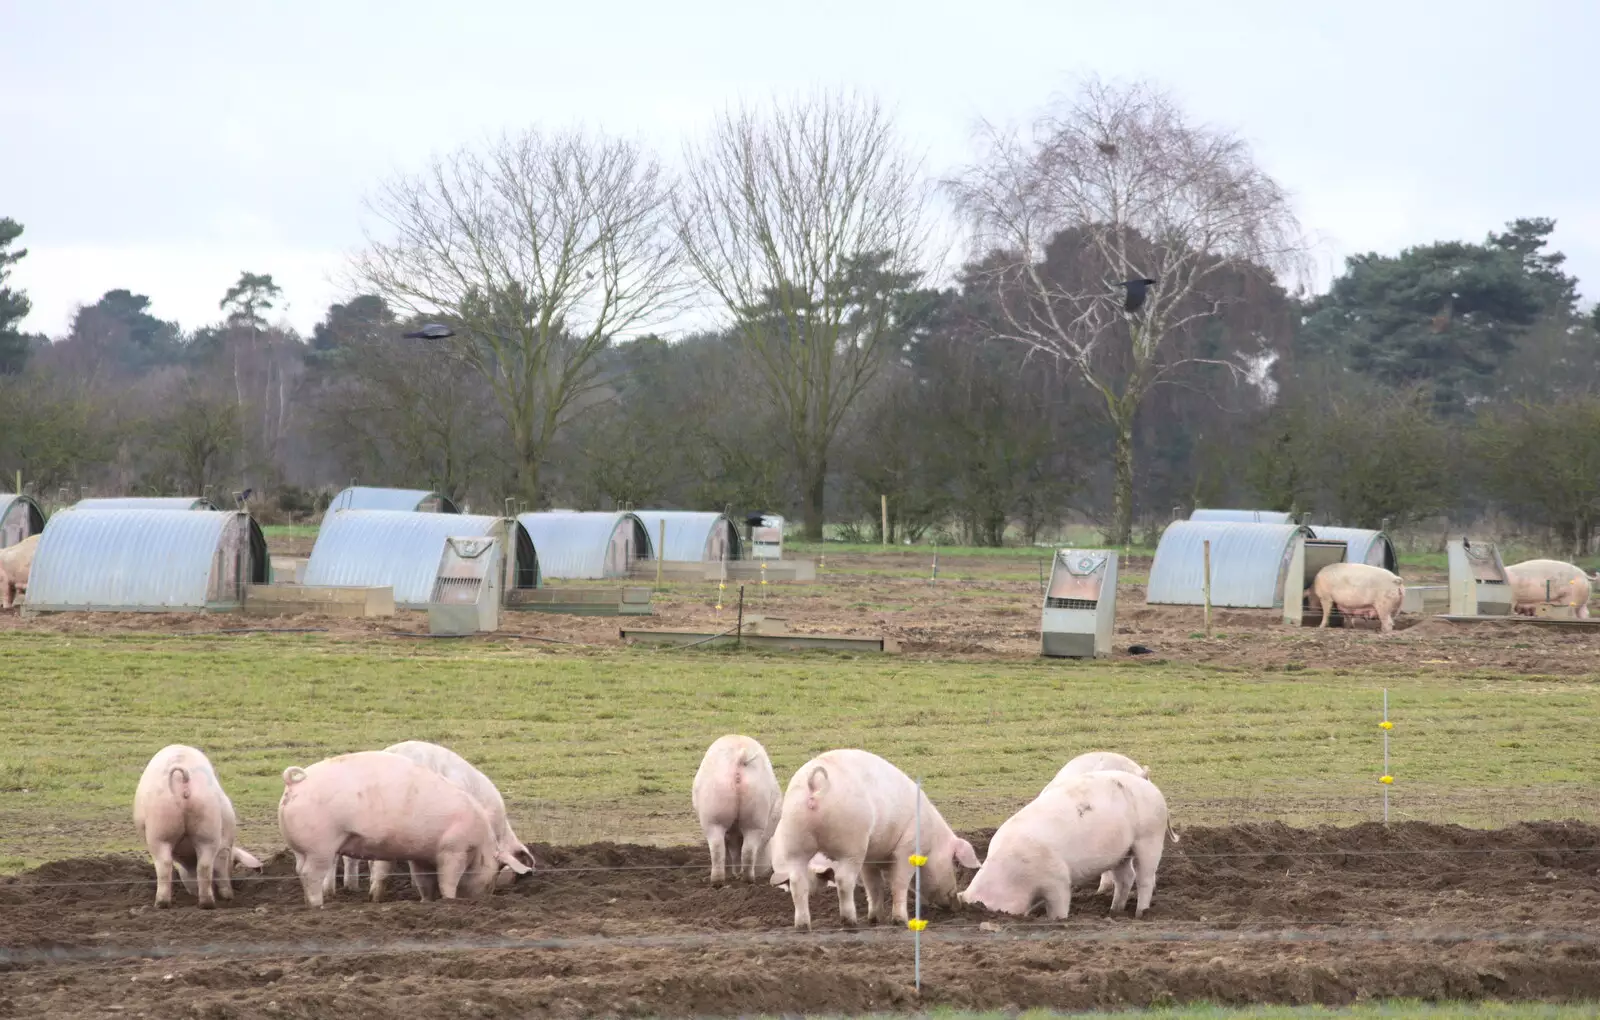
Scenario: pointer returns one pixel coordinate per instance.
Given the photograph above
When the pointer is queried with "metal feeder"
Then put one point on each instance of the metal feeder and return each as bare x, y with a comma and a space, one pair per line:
1080, 605
1478, 582
466, 595
766, 538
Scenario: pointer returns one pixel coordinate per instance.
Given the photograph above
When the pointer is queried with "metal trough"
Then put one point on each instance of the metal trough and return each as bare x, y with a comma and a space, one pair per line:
633, 601
717, 639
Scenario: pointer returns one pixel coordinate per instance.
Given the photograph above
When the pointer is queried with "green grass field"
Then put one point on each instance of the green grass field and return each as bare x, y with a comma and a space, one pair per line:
604, 744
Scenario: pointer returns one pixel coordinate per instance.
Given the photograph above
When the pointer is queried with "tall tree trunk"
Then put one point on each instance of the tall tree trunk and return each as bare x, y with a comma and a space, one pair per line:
1122, 491
814, 478
529, 460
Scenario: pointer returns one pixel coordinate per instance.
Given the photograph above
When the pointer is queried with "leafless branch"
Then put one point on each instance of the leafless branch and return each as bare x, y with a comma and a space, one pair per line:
541, 251
779, 209
1115, 184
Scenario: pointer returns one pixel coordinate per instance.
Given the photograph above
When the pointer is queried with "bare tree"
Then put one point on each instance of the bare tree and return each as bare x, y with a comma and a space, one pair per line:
806, 224
199, 433
391, 409
539, 252
1117, 185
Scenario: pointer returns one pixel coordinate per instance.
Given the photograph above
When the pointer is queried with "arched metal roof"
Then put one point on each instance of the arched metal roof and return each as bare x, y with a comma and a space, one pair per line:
364, 497
689, 533
145, 503
139, 559
1363, 546
574, 545
400, 549
1242, 516
1248, 564
22, 506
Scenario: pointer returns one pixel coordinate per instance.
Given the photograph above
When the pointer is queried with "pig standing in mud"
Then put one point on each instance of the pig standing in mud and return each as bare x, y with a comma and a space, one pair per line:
1101, 761
1358, 589
736, 797
16, 563
1536, 583
1088, 825
378, 806
187, 821
462, 773
861, 812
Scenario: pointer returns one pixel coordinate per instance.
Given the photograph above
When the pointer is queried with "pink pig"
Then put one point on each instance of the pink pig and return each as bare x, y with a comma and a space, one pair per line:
861, 813
16, 564
187, 822
1073, 831
378, 806
736, 797
1549, 582
464, 774
1358, 590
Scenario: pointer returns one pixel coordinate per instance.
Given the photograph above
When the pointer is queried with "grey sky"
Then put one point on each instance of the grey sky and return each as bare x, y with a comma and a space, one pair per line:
165, 147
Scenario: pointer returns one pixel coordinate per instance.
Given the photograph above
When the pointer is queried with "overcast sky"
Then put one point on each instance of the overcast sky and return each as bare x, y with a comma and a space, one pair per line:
164, 147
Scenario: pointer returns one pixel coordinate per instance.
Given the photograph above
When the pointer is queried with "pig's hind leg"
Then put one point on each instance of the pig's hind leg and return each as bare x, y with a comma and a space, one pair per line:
717, 842
876, 879
1056, 891
162, 855
800, 878
352, 873
750, 854
316, 874
1122, 879
1146, 859
450, 867
845, 874
186, 875
224, 873
425, 878
205, 874
897, 876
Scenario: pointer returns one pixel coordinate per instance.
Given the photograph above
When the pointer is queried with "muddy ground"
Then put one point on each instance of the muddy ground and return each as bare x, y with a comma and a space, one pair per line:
1260, 913
978, 619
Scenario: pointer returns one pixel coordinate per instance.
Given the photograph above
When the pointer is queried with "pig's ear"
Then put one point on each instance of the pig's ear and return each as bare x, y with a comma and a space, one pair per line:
778, 878
509, 859
245, 859
965, 855
819, 863
503, 878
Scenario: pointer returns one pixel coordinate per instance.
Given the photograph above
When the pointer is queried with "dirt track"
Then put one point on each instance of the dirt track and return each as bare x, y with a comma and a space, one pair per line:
1242, 914
983, 619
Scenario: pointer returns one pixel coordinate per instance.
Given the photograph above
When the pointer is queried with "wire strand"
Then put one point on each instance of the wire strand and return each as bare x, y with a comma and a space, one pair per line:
22, 883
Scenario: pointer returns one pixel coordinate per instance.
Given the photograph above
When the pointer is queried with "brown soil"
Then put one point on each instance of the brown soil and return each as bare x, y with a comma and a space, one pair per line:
962, 619
1260, 913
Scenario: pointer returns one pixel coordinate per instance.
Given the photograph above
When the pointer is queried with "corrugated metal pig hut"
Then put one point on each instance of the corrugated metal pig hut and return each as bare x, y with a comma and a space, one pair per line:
692, 536
587, 546
401, 549
366, 497
1241, 516
20, 518
1250, 564
146, 561
145, 503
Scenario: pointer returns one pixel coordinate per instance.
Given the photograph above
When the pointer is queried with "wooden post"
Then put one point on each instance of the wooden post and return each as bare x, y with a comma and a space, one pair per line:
19, 481
738, 636
1207, 586
885, 500
661, 552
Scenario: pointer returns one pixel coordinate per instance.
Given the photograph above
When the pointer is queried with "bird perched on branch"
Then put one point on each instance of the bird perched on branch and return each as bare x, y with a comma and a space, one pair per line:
1136, 291
432, 331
